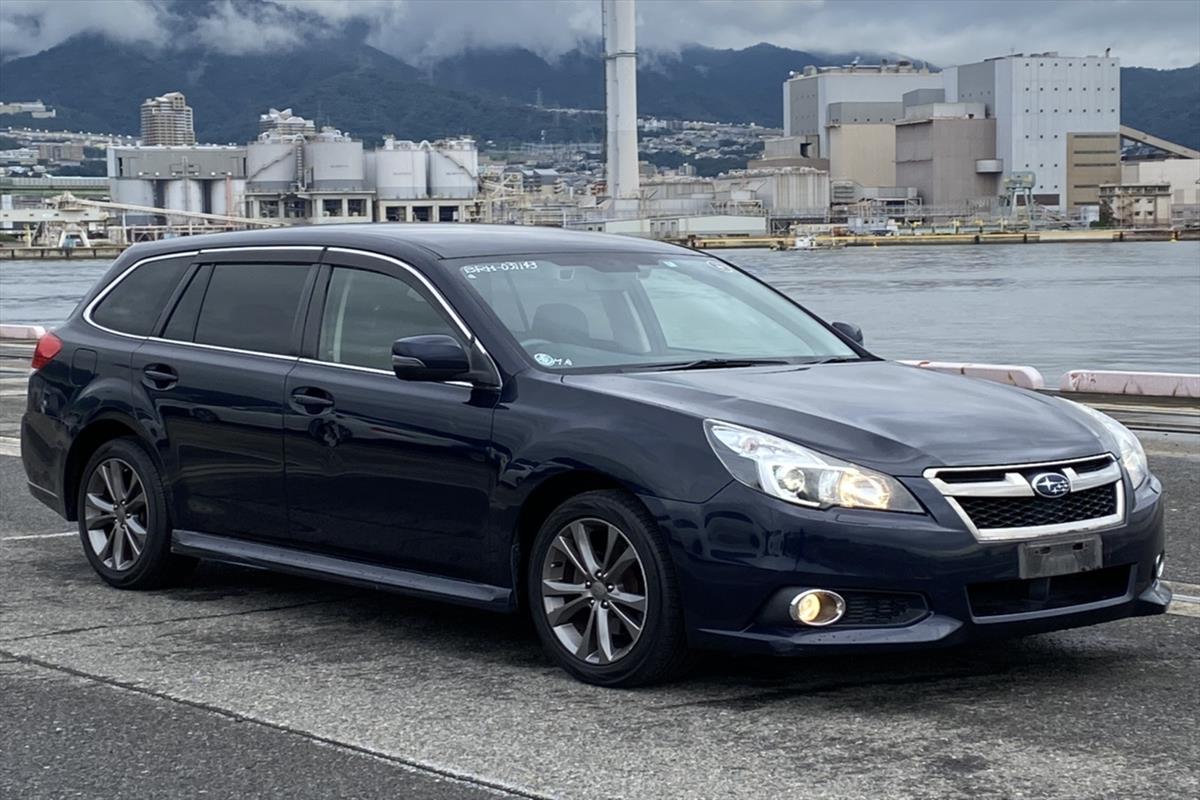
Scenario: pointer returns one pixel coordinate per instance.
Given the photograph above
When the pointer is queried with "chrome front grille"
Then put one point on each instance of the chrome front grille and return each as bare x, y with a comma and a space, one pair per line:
999, 503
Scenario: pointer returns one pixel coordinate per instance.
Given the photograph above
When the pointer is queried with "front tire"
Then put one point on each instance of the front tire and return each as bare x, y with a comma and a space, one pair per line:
124, 522
603, 594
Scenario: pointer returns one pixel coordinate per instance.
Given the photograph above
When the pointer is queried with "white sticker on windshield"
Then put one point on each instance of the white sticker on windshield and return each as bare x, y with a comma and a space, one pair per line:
719, 265
471, 270
547, 360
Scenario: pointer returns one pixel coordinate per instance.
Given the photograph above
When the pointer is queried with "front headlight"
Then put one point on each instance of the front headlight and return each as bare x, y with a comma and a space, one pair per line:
798, 475
1133, 457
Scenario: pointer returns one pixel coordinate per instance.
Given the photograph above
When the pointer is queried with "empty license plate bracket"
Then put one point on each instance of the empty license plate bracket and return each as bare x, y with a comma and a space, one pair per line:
1047, 559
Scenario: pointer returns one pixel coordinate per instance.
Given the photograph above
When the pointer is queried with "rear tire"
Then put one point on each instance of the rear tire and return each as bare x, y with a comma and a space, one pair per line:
124, 521
602, 591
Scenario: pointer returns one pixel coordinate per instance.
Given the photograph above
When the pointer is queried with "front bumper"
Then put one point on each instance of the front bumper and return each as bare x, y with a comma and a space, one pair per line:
739, 553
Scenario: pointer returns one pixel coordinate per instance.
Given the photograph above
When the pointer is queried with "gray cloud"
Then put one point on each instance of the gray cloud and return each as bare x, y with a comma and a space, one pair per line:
1156, 33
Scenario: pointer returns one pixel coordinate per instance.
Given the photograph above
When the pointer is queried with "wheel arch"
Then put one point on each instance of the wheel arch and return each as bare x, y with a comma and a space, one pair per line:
104, 428
540, 503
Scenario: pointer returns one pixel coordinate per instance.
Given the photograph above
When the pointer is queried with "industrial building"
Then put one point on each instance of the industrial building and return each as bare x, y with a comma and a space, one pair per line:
292, 172
958, 135
946, 151
847, 97
1136, 205
1040, 101
329, 177
167, 120
1181, 176
208, 179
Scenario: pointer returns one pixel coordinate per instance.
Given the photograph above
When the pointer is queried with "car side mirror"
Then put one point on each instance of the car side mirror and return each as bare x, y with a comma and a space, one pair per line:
849, 330
438, 357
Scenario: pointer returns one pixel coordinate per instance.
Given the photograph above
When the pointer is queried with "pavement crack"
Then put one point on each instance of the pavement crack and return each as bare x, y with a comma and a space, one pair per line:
168, 620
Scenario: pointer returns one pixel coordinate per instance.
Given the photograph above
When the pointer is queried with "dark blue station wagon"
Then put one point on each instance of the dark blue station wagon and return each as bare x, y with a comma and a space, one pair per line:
643, 447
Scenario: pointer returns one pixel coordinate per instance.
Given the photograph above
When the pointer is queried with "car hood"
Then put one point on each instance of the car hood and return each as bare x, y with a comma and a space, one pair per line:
881, 414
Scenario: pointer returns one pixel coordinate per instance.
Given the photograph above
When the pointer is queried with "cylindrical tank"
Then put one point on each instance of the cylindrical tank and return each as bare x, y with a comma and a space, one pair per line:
226, 197
401, 171
334, 164
184, 195
454, 169
133, 191
271, 165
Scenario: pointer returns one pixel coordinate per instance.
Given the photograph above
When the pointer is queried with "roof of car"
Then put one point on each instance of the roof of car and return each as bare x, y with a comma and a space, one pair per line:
440, 240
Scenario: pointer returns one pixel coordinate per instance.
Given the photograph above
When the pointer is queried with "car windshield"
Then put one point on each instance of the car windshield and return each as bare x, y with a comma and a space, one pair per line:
596, 311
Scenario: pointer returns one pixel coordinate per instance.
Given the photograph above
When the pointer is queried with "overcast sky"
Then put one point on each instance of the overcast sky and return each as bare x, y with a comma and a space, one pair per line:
1152, 33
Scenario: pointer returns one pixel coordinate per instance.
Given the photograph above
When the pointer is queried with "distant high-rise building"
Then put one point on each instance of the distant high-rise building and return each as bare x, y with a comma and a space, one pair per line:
167, 120
284, 123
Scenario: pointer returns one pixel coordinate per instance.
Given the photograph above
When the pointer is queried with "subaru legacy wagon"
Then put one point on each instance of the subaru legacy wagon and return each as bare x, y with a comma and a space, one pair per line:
643, 447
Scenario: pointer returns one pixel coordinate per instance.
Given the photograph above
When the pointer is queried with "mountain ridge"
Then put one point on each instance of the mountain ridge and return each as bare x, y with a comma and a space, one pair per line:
487, 93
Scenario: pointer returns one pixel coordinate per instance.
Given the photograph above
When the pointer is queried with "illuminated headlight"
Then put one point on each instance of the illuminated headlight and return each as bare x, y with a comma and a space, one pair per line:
1133, 457
798, 475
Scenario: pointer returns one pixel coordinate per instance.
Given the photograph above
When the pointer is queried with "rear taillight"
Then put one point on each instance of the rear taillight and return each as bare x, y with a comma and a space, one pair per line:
47, 348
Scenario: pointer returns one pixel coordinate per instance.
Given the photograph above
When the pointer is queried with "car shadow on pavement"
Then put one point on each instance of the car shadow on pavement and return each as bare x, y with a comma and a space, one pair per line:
380, 619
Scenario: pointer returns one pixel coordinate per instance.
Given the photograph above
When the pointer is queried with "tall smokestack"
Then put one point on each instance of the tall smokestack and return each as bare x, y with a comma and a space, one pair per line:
620, 85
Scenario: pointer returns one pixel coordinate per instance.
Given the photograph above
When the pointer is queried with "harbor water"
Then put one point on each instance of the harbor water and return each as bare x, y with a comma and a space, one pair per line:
1050, 306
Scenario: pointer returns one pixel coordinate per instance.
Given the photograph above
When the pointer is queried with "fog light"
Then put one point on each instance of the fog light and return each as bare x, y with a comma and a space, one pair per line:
1159, 563
817, 607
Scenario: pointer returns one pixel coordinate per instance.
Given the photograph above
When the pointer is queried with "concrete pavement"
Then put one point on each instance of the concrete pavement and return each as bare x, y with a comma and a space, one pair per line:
244, 683
248, 684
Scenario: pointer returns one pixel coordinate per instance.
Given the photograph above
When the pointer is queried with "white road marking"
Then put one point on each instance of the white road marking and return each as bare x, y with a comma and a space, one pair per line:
38, 536
10, 446
1186, 602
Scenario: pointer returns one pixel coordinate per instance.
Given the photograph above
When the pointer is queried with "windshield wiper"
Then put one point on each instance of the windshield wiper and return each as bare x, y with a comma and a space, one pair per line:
831, 360
715, 363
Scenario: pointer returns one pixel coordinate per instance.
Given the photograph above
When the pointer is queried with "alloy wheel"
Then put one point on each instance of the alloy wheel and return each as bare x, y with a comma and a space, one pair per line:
594, 591
116, 514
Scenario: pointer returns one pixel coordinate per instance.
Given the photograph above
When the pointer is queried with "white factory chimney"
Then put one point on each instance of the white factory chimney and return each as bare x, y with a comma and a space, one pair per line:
620, 87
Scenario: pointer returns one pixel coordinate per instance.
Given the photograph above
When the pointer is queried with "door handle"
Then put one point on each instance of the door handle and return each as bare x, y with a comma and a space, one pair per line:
309, 400
159, 376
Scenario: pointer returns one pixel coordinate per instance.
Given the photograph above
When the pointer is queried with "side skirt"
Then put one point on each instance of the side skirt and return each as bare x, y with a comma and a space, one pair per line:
342, 570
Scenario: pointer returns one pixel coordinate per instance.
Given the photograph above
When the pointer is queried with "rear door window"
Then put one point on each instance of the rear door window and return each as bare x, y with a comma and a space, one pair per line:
366, 311
252, 307
181, 325
135, 303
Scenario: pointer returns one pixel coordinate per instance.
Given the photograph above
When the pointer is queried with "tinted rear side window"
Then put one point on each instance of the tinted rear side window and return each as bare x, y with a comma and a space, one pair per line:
252, 306
182, 324
134, 304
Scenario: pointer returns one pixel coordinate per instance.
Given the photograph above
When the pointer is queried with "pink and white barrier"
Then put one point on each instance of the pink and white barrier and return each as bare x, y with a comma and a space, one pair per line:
1139, 384
25, 332
1147, 384
1012, 374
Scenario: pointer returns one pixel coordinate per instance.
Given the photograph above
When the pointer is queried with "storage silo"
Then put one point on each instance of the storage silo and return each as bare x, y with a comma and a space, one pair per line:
132, 191
183, 194
226, 197
334, 162
271, 164
454, 169
401, 171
